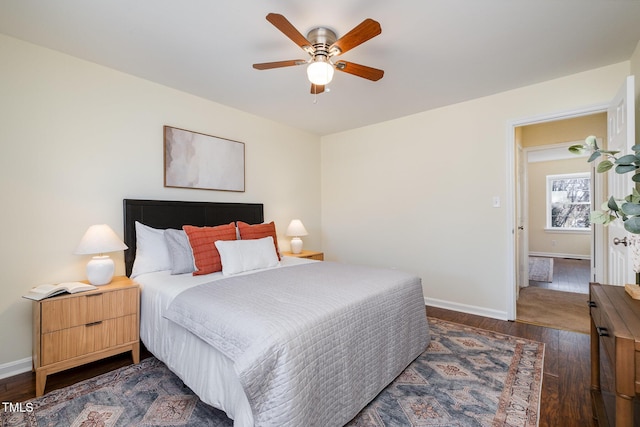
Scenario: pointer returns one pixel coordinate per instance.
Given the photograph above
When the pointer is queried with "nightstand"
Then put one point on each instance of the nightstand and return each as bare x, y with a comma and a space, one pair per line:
319, 256
70, 330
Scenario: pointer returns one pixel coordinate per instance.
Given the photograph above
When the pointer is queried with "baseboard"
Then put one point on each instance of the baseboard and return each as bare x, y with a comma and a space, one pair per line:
557, 255
464, 308
16, 367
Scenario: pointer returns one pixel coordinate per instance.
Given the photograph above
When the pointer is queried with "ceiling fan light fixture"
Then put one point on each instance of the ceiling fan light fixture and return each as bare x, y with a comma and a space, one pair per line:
320, 72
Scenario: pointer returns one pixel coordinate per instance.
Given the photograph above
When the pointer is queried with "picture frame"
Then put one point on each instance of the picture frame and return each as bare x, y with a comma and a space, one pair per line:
199, 161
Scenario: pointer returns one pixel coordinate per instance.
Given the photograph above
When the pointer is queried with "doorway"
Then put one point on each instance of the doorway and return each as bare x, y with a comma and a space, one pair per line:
546, 133
556, 192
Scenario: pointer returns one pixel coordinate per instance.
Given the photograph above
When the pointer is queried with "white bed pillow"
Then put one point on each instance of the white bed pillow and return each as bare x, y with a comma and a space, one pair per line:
151, 251
238, 256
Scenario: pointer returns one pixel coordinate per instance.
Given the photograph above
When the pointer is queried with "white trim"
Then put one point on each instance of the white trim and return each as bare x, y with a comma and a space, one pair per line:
464, 308
510, 225
559, 255
16, 367
551, 152
568, 230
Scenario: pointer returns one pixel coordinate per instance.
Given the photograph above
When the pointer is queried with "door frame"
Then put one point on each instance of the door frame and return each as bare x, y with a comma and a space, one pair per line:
511, 229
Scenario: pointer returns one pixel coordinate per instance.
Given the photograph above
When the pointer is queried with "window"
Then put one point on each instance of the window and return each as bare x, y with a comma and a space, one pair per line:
568, 201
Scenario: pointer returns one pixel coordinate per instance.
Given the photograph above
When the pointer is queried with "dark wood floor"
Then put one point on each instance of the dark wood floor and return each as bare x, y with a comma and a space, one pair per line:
569, 275
565, 399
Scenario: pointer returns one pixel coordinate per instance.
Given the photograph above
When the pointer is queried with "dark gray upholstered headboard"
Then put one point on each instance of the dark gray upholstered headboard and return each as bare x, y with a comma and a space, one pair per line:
174, 214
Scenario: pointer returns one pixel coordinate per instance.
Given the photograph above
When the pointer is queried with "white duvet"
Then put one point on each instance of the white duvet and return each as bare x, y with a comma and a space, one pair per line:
309, 345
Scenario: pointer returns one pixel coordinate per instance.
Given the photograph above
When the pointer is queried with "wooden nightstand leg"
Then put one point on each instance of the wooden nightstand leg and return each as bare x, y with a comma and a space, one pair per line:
135, 353
41, 381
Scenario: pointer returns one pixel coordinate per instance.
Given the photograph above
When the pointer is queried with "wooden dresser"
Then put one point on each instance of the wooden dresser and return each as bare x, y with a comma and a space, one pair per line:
73, 329
615, 356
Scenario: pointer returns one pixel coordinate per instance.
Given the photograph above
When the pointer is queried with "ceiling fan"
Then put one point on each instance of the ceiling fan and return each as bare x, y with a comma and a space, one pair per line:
322, 45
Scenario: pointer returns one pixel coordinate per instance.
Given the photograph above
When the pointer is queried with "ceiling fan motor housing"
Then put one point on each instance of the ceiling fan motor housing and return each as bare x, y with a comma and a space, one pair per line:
321, 39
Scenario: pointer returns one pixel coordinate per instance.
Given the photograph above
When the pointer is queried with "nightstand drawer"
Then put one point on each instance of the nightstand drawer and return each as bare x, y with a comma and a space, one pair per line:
65, 313
80, 340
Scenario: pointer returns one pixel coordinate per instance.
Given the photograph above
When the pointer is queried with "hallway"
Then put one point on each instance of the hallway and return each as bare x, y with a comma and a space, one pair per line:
561, 304
569, 275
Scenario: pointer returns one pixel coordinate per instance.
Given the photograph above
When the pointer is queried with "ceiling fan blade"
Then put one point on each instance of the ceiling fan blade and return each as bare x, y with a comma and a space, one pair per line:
316, 89
278, 64
281, 23
366, 30
360, 70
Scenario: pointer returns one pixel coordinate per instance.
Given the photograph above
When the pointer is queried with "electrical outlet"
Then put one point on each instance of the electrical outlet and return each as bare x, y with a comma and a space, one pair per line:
553, 243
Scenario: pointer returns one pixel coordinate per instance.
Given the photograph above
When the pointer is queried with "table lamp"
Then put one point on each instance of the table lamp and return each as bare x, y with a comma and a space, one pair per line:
100, 239
295, 230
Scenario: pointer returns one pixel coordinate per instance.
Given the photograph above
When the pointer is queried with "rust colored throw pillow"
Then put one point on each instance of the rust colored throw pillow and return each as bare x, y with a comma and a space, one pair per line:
259, 231
202, 241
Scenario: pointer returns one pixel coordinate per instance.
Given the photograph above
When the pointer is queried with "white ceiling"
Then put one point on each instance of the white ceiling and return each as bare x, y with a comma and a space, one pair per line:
433, 52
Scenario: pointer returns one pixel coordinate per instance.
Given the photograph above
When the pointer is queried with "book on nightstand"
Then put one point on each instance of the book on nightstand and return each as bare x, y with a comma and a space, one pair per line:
46, 291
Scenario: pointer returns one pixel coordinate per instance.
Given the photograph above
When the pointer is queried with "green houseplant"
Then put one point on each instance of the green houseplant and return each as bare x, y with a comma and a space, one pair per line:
627, 209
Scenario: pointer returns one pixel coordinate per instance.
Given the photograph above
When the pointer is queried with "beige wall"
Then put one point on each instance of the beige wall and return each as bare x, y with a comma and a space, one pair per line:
416, 193
77, 138
569, 130
551, 133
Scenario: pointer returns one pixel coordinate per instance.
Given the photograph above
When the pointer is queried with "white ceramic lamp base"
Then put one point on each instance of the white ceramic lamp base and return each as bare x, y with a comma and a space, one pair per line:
100, 270
296, 245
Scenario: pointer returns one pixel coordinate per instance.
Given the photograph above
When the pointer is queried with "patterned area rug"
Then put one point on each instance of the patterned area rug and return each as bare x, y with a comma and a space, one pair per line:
467, 377
541, 269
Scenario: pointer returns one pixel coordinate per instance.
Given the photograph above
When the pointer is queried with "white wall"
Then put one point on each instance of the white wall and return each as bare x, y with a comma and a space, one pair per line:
416, 193
77, 138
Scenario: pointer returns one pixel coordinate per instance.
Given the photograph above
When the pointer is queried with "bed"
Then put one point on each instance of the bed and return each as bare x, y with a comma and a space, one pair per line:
301, 343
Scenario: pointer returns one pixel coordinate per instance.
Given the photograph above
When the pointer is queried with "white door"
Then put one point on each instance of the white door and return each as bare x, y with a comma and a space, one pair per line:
522, 244
621, 130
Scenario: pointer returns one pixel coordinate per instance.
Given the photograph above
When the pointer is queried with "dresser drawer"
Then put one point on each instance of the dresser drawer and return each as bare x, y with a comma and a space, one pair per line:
63, 313
80, 340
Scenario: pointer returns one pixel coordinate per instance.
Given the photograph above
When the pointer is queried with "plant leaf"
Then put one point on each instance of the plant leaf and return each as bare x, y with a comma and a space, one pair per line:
604, 166
631, 209
635, 178
626, 160
632, 225
577, 149
594, 156
590, 141
599, 217
625, 168
612, 204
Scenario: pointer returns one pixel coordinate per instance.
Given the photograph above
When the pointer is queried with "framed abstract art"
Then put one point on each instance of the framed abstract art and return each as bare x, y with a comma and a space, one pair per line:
196, 160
